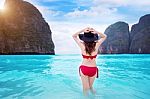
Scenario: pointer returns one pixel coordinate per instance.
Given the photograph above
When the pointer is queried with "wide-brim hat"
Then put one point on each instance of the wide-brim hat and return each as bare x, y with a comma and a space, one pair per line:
88, 37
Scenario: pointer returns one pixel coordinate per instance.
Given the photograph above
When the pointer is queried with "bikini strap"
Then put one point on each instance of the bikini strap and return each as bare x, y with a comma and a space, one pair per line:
91, 57
79, 71
97, 72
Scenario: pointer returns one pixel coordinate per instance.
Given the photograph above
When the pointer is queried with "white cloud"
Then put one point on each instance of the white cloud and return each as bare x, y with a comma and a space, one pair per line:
107, 11
96, 14
35, 1
93, 12
47, 11
49, 0
110, 3
139, 5
99, 11
138, 2
116, 3
2, 4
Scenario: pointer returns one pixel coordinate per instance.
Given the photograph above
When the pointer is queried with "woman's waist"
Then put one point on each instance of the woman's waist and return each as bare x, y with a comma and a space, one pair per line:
83, 65
88, 65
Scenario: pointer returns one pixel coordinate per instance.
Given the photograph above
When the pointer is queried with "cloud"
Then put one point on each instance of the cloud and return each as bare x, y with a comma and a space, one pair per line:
116, 3
109, 11
95, 11
2, 4
46, 10
38, 1
96, 14
110, 3
135, 4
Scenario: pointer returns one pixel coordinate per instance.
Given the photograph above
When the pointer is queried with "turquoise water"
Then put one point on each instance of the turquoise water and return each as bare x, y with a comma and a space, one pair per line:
121, 76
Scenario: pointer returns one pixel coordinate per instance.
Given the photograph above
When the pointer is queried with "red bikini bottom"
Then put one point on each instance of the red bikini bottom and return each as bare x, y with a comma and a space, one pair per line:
88, 71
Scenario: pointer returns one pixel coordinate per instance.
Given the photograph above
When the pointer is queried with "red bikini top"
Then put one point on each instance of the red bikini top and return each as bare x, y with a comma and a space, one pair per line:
91, 57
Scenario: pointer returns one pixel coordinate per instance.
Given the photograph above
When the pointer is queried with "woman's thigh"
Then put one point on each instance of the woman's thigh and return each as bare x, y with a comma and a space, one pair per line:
91, 80
85, 80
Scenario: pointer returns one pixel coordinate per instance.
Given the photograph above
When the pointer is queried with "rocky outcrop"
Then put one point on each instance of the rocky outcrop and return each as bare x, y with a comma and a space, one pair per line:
120, 40
23, 30
117, 39
140, 36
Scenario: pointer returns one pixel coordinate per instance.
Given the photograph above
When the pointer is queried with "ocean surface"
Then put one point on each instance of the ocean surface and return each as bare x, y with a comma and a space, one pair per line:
123, 76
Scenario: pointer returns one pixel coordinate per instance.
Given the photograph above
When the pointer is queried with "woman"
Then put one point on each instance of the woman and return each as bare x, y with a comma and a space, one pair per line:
89, 43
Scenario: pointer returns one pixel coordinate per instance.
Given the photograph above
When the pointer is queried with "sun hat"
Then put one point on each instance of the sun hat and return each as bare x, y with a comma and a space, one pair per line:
88, 37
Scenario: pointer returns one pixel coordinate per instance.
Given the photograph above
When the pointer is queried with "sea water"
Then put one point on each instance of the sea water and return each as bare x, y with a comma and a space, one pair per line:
122, 76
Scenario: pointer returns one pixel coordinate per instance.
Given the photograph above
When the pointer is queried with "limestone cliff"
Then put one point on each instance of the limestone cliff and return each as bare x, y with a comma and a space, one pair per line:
117, 39
121, 40
140, 36
23, 30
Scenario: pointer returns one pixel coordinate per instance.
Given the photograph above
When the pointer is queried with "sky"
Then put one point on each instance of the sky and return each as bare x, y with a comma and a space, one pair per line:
67, 17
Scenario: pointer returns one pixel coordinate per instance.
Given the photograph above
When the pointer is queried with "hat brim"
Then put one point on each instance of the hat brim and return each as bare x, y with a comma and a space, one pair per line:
88, 39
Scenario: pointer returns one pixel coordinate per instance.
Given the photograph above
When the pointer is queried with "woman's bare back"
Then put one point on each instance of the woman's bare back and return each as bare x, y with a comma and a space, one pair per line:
89, 62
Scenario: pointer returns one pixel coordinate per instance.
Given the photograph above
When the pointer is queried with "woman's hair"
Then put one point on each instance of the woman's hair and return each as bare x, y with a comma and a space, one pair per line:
89, 47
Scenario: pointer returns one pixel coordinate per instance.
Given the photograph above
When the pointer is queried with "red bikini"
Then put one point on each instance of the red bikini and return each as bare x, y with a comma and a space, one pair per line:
91, 57
86, 70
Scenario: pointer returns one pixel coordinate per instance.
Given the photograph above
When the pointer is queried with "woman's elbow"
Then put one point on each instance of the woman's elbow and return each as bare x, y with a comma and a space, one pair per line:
74, 36
105, 36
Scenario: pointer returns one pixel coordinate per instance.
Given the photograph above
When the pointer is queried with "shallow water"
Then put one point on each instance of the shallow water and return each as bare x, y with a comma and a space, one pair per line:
121, 76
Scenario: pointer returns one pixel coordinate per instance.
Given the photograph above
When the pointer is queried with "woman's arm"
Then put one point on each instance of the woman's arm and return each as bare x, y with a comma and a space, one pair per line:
102, 39
77, 33
75, 37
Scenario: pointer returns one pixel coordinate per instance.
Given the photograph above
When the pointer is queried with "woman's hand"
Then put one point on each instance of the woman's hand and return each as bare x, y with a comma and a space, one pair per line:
83, 30
89, 29
93, 31
86, 30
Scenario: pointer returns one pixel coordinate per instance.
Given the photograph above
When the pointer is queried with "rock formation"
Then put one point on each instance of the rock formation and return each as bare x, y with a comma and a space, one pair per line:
117, 39
120, 40
23, 30
140, 36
